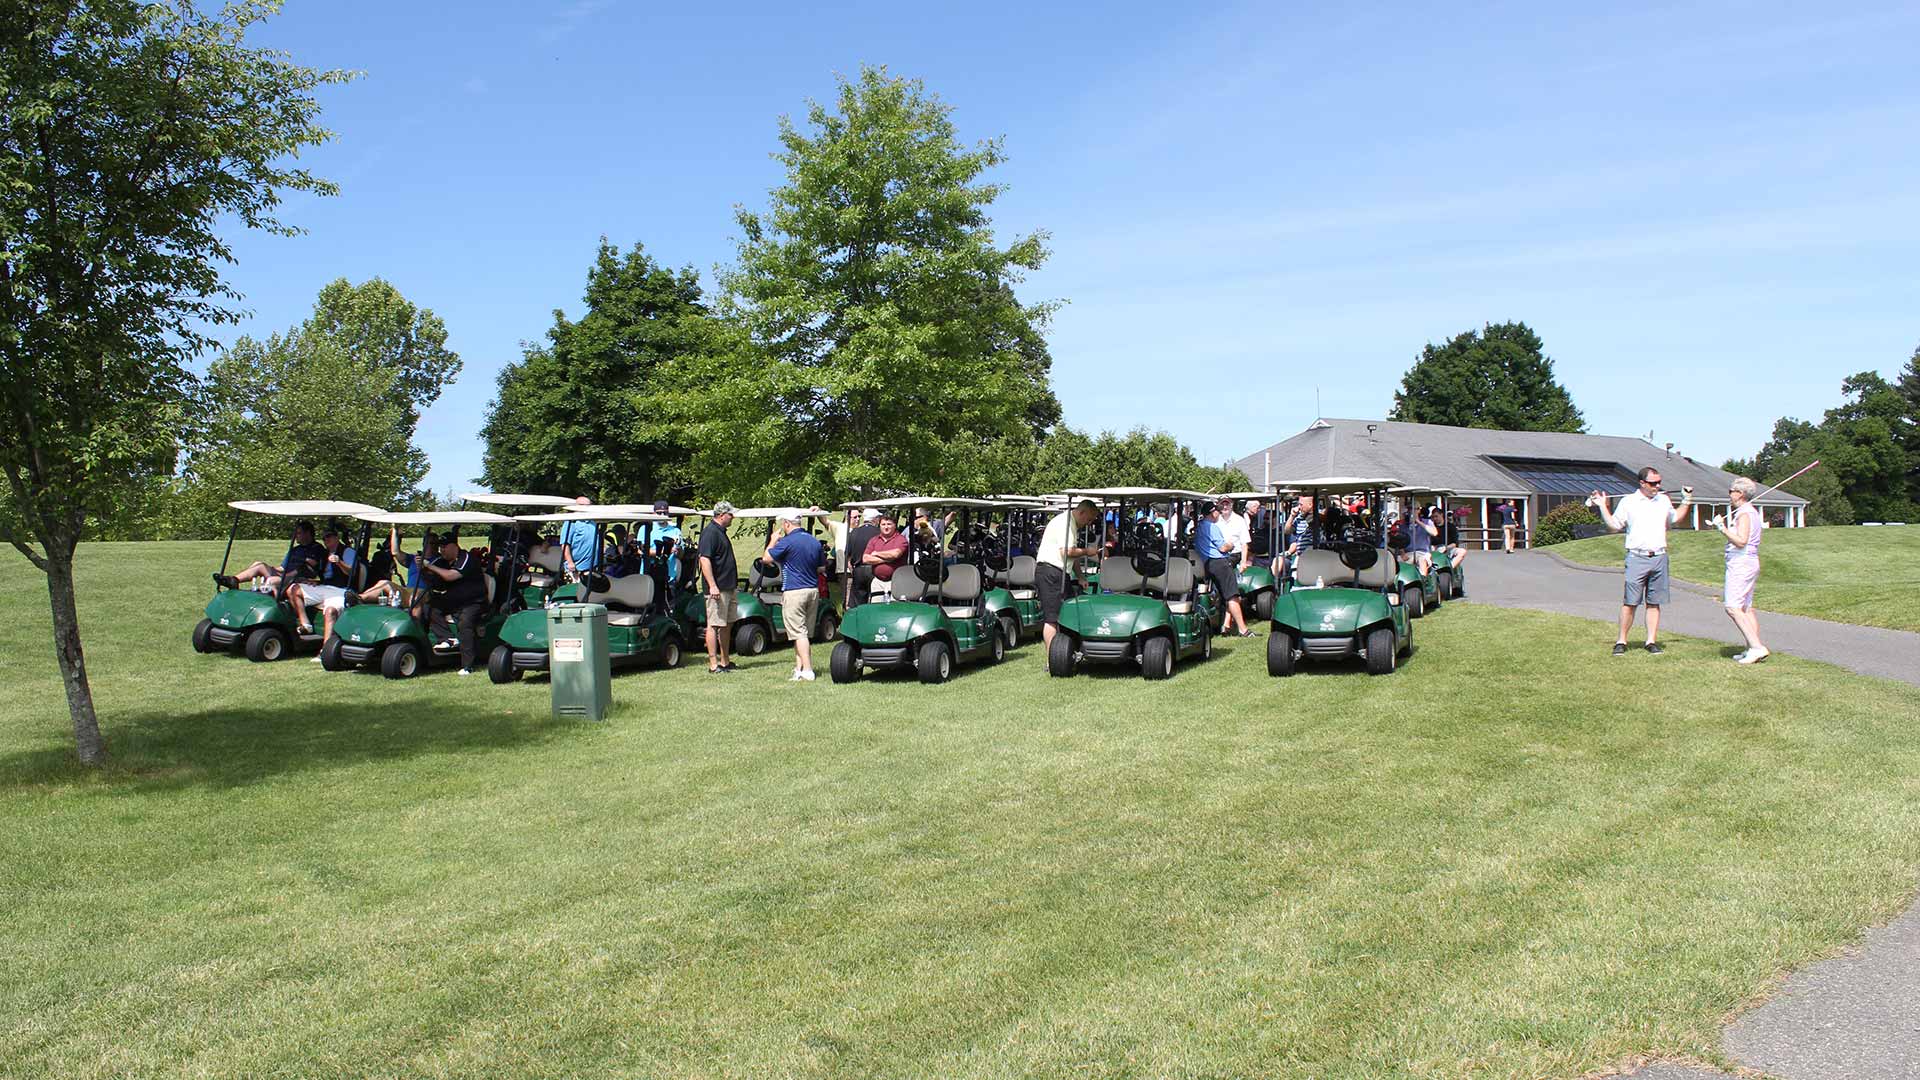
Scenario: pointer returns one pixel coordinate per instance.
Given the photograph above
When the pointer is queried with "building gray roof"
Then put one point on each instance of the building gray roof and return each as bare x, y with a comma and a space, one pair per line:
1464, 459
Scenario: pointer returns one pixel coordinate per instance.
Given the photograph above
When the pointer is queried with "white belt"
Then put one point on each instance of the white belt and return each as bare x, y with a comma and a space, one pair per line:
1646, 553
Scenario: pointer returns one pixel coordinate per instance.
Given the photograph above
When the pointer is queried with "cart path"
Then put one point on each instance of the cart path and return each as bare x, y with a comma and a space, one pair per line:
1852, 1017
1535, 580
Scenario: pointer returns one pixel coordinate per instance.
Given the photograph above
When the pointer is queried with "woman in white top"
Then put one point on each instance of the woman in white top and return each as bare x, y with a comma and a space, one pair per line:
1742, 531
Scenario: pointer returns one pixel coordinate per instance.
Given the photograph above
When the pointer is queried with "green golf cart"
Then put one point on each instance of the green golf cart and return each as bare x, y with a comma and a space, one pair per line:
1146, 609
1342, 597
1012, 567
387, 636
937, 610
760, 625
1422, 592
532, 568
641, 627
255, 619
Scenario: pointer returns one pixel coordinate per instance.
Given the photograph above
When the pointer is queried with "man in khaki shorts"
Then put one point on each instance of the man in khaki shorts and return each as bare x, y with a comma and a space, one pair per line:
720, 573
800, 555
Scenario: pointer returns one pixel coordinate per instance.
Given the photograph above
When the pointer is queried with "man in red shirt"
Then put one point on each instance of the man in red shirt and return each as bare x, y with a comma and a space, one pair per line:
886, 552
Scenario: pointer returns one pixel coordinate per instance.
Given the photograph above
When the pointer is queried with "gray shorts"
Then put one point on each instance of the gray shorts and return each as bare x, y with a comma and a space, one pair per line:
1647, 581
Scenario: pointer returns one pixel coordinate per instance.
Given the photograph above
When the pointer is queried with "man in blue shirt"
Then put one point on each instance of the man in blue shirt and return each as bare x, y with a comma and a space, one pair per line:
666, 542
579, 543
800, 555
1220, 558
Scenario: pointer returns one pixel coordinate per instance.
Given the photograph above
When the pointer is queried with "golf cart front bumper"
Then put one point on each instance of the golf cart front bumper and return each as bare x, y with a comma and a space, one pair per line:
224, 637
524, 660
1106, 650
879, 656
357, 654
1330, 648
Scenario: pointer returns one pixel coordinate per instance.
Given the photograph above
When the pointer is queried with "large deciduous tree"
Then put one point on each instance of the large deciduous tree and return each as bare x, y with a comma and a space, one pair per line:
875, 342
1864, 446
563, 419
129, 133
1071, 458
1499, 377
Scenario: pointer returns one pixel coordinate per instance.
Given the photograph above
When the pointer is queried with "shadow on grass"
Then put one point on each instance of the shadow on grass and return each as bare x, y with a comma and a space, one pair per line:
229, 747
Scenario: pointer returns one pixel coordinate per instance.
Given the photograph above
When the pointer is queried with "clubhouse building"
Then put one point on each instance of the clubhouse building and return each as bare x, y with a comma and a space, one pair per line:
1537, 470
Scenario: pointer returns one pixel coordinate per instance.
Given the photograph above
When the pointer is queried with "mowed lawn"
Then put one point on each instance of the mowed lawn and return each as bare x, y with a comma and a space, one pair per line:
1847, 573
1517, 856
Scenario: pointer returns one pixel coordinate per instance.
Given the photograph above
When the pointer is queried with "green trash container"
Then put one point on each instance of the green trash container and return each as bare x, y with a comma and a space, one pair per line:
582, 676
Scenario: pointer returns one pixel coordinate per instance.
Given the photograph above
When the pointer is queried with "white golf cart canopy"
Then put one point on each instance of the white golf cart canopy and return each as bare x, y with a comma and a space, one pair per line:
778, 513
305, 508
887, 504
1241, 496
507, 498
1340, 485
437, 517
634, 509
598, 513
1417, 490
1136, 494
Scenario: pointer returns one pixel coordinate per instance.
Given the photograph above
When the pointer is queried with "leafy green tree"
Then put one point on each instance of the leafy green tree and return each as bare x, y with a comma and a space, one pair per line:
874, 339
1070, 458
563, 419
130, 133
1864, 472
1907, 432
374, 323
1499, 378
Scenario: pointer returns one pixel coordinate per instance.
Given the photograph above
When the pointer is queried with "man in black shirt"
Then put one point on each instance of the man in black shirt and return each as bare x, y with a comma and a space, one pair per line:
860, 575
303, 562
457, 594
720, 577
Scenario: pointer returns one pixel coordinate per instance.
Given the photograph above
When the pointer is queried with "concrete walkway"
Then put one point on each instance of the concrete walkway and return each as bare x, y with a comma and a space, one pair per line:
1536, 580
1855, 1016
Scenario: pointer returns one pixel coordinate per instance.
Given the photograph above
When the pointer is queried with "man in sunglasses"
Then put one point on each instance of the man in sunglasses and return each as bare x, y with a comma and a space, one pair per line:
1645, 515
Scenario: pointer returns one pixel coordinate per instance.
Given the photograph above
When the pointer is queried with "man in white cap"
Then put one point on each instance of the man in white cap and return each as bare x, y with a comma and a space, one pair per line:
720, 576
800, 555
859, 575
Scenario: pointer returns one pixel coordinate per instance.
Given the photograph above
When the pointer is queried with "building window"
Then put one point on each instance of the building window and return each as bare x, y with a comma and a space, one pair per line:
1567, 481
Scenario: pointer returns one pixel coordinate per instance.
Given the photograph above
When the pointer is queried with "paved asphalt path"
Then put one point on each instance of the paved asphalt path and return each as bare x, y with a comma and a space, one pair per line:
1535, 580
1855, 1016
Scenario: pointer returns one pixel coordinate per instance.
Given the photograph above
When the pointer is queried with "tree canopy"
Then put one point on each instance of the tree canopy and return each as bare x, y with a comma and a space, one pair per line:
1499, 377
873, 340
132, 133
1866, 447
1071, 458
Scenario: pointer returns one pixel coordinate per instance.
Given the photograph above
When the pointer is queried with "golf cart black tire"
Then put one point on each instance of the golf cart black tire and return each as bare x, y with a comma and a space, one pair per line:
1439, 595
672, 651
1380, 650
1459, 587
1206, 641
749, 639
826, 628
935, 661
500, 665
1263, 606
330, 655
1060, 663
1416, 602
1010, 630
845, 665
1156, 657
267, 644
402, 660
1280, 653
997, 651
203, 637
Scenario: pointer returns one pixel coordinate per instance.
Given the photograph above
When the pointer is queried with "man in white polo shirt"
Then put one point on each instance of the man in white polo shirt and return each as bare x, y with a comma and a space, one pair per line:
1050, 562
1645, 515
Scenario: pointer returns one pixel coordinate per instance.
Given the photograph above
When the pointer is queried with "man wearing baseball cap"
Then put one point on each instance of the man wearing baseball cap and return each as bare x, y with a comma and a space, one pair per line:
1219, 543
720, 576
801, 556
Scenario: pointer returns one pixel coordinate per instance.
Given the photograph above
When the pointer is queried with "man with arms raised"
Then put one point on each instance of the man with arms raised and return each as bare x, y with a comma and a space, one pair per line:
1058, 547
1645, 515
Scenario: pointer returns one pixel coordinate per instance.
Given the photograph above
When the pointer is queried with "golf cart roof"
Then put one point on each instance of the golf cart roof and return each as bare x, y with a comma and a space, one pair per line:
1237, 495
1137, 493
597, 513
632, 510
777, 512
882, 504
1341, 485
507, 498
305, 507
1416, 489
438, 517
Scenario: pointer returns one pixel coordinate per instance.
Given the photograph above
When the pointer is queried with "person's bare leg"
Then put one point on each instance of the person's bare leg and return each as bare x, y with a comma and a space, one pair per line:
297, 600
1653, 623
714, 659
802, 654
726, 644
1626, 621
1752, 630
1046, 634
1740, 624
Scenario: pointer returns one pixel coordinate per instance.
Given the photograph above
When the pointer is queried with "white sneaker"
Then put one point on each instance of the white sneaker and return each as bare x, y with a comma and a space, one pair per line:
466, 671
314, 660
795, 677
806, 676
1753, 657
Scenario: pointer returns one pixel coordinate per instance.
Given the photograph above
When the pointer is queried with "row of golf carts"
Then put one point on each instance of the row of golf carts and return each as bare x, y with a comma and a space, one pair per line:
966, 594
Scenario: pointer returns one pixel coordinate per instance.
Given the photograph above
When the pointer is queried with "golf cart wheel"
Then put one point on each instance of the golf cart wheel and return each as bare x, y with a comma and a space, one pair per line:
1415, 602
203, 637
402, 660
1280, 646
845, 665
750, 639
936, 662
1380, 646
1439, 594
1263, 606
500, 665
1156, 658
330, 659
827, 628
999, 647
1010, 630
267, 644
1060, 663
1458, 585
1206, 642
672, 652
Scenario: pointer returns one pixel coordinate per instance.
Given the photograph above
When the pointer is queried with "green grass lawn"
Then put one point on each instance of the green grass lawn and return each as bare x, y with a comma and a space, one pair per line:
1515, 857
1846, 573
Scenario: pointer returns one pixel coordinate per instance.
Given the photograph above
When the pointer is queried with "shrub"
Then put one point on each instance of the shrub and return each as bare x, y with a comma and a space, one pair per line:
1556, 526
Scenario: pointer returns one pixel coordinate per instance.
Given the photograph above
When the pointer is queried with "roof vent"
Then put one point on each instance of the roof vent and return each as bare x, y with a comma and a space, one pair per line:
1318, 424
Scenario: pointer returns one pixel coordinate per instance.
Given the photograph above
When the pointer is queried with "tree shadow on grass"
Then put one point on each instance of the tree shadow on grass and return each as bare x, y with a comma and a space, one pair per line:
236, 746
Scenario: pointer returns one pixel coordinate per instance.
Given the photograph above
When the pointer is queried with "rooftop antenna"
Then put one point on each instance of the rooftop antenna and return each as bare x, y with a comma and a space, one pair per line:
1371, 428
1317, 414
1669, 449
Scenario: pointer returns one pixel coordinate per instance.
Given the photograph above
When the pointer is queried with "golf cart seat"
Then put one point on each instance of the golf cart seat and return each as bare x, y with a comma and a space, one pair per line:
1175, 587
1019, 578
960, 593
626, 598
908, 585
1329, 568
765, 586
1117, 575
1200, 582
544, 564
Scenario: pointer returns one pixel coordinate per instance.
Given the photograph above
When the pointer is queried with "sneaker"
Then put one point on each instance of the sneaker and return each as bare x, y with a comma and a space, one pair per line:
313, 660
352, 599
466, 671
1654, 649
1751, 657
1244, 633
806, 676
718, 670
795, 677
1619, 648
306, 628
729, 666
1740, 657
225, 580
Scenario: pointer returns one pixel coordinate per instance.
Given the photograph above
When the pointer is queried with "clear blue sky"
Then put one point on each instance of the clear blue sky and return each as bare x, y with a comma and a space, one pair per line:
1707, 210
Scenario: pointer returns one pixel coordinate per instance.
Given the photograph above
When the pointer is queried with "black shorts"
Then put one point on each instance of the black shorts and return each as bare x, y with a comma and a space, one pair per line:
1225, 575
1051, 583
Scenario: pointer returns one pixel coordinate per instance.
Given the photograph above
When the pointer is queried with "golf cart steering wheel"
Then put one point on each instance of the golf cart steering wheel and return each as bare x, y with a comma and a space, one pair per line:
927, 567
1354, 555
1148, 534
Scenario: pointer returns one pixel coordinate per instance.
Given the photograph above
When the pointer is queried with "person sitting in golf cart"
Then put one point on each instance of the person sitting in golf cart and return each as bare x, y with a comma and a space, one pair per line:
1447, 539
1421, 532
329, 589
1300, 533
384, 587
886, 553
304, 557
457, 594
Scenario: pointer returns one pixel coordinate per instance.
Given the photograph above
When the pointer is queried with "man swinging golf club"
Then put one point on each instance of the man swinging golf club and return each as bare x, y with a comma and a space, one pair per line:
1645, 515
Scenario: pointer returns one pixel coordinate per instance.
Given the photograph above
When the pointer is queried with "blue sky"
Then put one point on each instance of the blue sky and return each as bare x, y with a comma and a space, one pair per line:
1707, 210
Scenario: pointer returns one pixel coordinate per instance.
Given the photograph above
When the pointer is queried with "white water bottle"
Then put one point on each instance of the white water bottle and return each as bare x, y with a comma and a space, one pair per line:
1320, 581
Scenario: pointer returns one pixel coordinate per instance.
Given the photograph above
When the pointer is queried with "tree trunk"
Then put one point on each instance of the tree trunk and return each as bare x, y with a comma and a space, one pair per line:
73, 662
